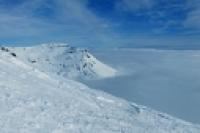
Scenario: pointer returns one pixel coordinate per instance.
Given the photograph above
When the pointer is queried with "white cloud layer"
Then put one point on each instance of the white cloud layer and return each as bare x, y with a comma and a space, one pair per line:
72, 21
70, 18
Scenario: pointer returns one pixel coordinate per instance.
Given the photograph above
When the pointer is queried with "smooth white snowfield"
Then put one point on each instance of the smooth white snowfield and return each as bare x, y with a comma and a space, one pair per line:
61, 59
32, 101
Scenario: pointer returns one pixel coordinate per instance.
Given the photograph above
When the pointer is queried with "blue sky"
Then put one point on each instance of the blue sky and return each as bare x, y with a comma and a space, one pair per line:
102, 23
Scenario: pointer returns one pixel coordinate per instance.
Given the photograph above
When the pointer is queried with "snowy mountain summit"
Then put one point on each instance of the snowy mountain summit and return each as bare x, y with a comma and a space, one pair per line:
33, 101
63, 60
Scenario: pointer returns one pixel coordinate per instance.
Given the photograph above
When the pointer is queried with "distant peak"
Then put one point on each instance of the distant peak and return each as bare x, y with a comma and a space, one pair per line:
54, 45
62, 59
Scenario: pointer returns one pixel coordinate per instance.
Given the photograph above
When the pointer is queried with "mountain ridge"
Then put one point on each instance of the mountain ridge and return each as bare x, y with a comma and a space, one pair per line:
34, 101
63, 60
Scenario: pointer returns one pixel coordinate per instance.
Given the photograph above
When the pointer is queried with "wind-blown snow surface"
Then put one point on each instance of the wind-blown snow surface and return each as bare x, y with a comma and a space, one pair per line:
63, 60
33, 102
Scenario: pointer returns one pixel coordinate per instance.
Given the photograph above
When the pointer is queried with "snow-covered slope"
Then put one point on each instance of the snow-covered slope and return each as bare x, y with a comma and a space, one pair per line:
31, 101
63, 60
